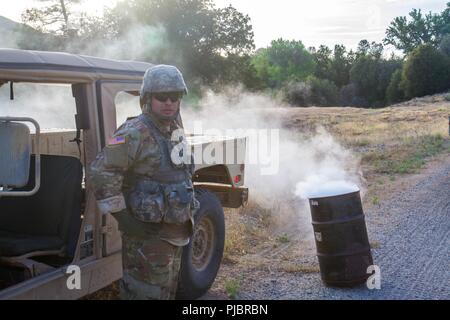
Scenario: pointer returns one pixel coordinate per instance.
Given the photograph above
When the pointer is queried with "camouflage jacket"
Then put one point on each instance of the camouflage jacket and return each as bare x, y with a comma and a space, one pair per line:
131, 151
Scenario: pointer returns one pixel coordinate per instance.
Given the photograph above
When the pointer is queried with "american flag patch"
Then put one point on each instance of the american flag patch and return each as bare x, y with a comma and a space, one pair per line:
116, 141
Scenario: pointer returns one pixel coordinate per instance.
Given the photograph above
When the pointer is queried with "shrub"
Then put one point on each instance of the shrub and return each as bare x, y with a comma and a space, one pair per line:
349, 97
313, 91
427, 71
323, 92
297, 93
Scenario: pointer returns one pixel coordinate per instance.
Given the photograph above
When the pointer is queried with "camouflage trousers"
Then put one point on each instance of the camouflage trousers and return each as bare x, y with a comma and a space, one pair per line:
150, 265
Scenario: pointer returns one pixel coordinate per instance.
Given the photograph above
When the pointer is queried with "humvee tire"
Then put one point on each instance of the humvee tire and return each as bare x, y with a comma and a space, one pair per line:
201, 258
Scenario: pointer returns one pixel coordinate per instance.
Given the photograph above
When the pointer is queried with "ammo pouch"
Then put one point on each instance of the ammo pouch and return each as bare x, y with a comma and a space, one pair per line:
150, 201
146, 202
179, 199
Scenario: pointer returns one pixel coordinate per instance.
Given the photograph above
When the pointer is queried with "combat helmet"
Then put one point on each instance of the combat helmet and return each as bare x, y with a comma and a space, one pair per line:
161, 78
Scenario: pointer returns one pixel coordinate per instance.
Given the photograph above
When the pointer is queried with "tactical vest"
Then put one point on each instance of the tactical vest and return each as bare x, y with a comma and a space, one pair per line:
167, 195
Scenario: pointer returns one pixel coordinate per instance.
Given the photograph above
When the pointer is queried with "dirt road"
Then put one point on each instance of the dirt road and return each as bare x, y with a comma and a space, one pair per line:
410, 236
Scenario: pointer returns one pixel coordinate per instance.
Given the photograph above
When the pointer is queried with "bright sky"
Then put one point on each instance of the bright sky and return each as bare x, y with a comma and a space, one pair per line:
314, 22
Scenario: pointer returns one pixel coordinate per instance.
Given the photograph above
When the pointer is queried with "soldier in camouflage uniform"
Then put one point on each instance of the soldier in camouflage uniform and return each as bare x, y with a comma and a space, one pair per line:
141, 178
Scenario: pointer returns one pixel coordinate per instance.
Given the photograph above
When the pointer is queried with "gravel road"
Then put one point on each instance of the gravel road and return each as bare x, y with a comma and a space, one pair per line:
412, 233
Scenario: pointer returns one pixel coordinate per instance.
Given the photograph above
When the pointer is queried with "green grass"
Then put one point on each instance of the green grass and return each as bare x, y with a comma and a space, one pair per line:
412, 158
375, 201
362, 143
284, 238
427, 146
232, 288
409, 165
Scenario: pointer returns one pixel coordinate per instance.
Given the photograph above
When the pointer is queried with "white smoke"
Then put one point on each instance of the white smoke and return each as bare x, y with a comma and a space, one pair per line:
51, 105
138, 43
8, 39
330, 168
311, 162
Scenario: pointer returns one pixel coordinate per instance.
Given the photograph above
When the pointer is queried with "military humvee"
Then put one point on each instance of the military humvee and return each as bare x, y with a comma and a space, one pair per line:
54, 243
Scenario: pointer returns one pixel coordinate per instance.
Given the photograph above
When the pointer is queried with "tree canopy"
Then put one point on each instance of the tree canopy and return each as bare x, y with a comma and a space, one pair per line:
196, 35
407, 34
282, 61
427, 71
57, 17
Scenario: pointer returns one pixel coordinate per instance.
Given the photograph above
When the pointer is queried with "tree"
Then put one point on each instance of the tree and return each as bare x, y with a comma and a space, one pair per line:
56, 18
283, 61
376, 50
427, 71
371, 77
395, 92
372, 49
322, 58
340, 66
333, 65
234, 31
57, 23
442, 23
363, 48
208, 43
430, 28
444, 46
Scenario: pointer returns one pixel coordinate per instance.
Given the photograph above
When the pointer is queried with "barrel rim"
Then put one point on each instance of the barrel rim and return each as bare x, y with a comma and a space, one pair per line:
338, 195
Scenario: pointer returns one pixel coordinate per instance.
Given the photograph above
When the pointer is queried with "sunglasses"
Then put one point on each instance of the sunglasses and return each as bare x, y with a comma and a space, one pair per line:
173, 96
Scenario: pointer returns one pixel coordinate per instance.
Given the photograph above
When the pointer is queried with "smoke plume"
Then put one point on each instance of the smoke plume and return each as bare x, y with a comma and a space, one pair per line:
311, 161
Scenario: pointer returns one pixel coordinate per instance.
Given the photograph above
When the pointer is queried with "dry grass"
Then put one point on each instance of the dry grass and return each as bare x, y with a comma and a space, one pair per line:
375, 244
244, 231
371, 127
110, 292
299, 268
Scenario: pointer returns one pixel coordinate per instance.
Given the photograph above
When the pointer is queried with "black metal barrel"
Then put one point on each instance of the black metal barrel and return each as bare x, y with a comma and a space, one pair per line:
341, 238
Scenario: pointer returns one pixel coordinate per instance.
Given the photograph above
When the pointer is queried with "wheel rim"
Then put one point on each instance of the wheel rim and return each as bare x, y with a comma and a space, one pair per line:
202, 244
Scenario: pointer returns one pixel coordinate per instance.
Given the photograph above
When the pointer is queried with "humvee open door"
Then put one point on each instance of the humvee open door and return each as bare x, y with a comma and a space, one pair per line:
54, 243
